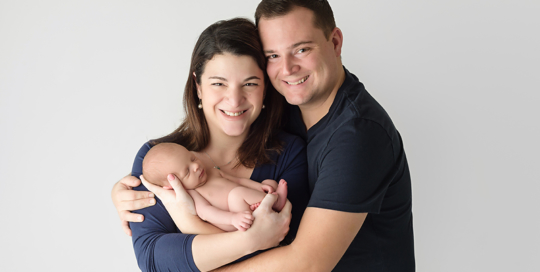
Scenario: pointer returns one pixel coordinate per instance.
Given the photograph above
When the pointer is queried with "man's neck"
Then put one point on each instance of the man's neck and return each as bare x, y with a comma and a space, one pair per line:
311, 114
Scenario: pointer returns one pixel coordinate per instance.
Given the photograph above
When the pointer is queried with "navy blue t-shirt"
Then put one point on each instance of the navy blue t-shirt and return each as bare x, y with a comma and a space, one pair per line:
160, 246
357, 164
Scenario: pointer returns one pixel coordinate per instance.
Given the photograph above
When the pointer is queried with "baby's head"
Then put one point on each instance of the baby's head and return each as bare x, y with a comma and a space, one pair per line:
170, 158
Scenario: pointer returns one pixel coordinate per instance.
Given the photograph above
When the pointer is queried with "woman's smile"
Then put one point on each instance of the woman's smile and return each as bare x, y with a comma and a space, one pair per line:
233, 113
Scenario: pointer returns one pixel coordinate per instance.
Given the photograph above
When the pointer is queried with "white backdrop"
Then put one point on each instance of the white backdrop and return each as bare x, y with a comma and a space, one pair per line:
83, 84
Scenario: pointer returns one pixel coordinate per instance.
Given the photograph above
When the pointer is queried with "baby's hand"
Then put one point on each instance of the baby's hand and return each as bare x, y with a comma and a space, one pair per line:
267, 188
242, 220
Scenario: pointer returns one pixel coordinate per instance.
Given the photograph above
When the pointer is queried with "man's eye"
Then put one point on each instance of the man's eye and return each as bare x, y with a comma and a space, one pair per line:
273, 56
302, 50
252, 84
217, 84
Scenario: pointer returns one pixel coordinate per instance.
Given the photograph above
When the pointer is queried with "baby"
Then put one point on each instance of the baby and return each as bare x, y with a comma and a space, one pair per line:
224, 201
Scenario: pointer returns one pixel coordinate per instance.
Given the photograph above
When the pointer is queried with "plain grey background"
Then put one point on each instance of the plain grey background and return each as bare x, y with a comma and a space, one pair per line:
83, 84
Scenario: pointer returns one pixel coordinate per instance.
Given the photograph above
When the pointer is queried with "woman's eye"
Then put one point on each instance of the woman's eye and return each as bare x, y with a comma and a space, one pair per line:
217, 84
251, 84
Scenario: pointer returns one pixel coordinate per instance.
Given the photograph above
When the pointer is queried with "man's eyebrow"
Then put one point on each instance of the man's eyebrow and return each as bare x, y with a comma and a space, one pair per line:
292, 46
217, 77
251, 77
301, 43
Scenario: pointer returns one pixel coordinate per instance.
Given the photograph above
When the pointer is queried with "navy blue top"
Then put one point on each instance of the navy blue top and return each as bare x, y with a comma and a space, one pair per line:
357, 164
160, 246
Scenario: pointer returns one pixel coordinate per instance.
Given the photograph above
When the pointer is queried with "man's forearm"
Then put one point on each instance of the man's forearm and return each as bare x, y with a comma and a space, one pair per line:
273, 260
322, 239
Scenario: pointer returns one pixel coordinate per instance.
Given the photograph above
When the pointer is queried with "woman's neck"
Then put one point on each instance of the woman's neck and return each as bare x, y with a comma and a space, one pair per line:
223, 148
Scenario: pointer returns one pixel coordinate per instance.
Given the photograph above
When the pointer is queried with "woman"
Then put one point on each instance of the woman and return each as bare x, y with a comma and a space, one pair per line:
232, 124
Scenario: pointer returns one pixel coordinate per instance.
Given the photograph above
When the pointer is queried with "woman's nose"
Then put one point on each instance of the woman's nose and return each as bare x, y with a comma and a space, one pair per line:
235, 96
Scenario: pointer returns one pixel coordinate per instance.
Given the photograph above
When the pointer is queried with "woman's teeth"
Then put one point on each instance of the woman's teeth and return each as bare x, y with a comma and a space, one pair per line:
233, 113
298, 82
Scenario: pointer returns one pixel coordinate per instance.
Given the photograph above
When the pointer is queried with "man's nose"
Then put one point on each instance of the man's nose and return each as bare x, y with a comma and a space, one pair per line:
289, 66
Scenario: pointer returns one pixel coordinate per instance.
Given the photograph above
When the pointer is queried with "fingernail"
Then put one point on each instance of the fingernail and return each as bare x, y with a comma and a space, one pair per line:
140, 218
170, 177
152, 201
150, 195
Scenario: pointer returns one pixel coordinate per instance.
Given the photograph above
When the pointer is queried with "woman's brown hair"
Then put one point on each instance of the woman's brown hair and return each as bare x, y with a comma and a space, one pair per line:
238, 37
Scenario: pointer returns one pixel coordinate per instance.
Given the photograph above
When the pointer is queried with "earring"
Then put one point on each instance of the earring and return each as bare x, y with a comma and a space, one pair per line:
200, 104
263, 106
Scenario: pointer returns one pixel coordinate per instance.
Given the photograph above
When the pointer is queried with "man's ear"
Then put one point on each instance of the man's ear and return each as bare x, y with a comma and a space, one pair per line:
336, 37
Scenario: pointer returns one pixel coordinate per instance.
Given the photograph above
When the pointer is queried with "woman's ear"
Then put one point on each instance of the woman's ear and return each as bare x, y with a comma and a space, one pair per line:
197, 85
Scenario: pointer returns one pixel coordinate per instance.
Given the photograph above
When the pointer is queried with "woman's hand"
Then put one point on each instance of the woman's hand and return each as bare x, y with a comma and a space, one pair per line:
269, 227
172, 199
126, 200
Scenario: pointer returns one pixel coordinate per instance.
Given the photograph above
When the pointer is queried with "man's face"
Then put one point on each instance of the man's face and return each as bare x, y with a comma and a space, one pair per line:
303, 65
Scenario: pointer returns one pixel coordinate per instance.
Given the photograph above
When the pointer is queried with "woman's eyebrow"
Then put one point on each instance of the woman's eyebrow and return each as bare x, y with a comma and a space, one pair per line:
251, 77
217, 77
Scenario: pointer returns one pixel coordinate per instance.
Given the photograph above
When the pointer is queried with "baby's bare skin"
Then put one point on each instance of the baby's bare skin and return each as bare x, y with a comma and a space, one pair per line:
217, 190
220, 199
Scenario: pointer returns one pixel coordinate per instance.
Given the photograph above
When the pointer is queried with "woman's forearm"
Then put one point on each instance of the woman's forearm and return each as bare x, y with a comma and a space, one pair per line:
193, 225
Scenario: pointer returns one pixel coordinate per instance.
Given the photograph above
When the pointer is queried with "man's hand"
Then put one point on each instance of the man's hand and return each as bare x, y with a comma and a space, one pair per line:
126, 200
269, 227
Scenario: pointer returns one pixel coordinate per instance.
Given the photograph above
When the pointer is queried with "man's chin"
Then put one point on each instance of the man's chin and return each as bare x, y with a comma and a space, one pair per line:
295, 100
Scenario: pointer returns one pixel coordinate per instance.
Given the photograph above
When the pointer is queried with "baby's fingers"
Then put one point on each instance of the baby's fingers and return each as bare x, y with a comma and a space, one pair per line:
244, 226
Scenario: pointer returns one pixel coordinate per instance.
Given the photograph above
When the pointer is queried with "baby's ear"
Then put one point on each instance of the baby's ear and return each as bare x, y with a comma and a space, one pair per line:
168, 187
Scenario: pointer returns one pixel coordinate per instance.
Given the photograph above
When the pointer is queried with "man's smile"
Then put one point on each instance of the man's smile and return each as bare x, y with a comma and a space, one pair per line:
297, 82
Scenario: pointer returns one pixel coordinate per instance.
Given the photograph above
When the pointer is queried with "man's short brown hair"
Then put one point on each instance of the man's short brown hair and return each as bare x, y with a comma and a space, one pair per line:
323, 15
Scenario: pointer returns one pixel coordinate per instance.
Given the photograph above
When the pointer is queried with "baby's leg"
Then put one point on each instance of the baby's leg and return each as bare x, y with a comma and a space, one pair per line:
246, 199
281, 190
240, 198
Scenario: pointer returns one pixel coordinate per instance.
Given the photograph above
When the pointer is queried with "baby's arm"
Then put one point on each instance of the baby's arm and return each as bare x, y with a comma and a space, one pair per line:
227, 221
267, 186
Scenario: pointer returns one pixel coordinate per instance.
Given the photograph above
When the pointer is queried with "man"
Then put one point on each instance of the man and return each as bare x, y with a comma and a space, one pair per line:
359, 215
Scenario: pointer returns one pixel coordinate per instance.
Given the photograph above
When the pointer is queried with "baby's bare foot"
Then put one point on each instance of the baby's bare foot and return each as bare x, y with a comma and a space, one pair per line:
282, 196
254, 206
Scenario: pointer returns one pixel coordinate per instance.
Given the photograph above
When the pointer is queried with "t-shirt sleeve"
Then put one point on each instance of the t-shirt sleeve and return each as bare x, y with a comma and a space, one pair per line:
158, 244
356, 169
293, 169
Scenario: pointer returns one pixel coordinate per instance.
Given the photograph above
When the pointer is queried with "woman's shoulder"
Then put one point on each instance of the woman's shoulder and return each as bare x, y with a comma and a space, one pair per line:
144, 149
136, 169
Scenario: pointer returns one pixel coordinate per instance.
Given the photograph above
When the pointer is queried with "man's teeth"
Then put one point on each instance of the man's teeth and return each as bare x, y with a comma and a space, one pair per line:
298, 82
233, 113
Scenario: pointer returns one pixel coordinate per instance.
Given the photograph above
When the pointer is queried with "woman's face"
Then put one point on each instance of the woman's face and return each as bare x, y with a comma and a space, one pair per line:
232, 92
